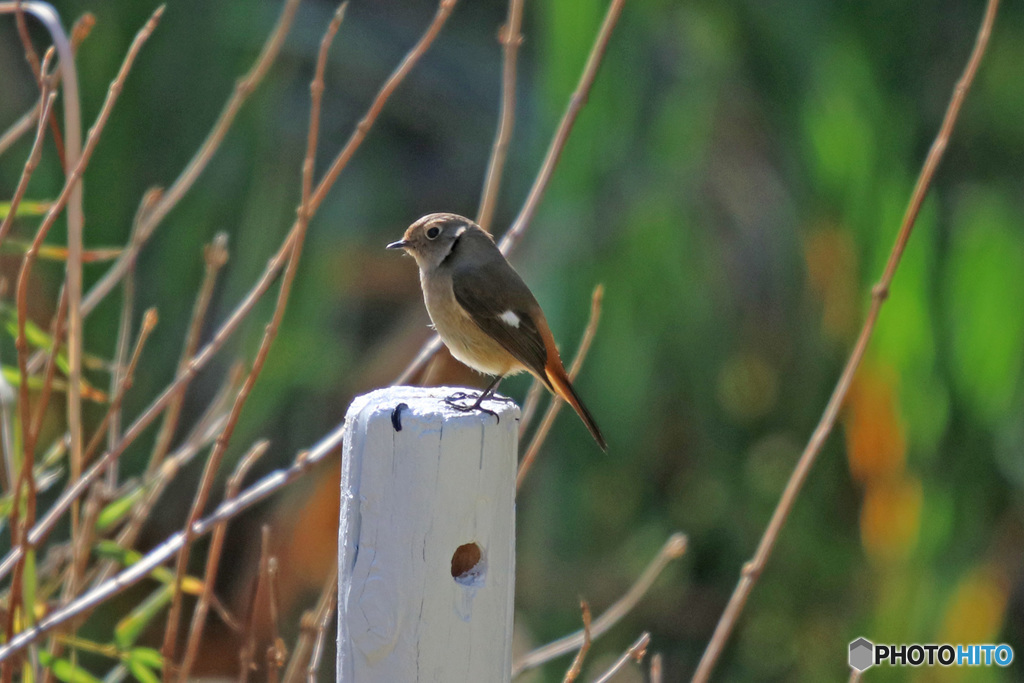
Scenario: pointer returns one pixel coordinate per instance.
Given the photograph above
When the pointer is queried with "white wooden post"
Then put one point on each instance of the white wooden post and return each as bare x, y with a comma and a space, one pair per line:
426, 549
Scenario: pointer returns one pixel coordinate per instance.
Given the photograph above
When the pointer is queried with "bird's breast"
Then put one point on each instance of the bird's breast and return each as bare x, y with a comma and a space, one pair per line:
463, 337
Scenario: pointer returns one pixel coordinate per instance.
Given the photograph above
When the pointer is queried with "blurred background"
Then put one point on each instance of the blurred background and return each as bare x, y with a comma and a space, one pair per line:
735, 181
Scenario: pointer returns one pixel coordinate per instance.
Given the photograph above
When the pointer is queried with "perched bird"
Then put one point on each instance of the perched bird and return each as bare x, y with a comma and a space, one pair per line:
483, 311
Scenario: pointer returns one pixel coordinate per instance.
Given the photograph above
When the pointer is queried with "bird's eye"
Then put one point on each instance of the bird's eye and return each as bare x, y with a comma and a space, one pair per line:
433, 232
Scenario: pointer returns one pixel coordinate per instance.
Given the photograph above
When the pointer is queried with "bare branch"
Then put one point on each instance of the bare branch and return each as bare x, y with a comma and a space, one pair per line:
363, 127
577, 663
655, 673
511, 39
576, 102
635, 653
752, 570
308, 649
215, 255
46, 102
195, 634
673, 549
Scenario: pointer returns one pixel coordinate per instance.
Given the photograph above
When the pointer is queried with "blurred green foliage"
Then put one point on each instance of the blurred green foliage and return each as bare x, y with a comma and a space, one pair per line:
735, 181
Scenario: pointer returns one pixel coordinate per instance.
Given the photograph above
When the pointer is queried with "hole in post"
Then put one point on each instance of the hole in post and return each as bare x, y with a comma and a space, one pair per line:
469, 565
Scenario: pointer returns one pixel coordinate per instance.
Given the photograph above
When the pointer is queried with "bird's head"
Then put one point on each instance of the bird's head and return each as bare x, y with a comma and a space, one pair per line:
430, 240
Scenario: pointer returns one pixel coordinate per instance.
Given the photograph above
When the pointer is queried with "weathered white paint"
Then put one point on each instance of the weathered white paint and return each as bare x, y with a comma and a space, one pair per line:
409, 498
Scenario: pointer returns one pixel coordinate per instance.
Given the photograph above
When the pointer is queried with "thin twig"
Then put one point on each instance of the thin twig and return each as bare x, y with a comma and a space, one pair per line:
635, 653
48, 17
262, 581
325, 610
363, 127
752, 569
56, 335
22, 126
530, 406
228, 509
511, 39
39, 73
577, 662
576, 102
124, 331
197, 164
30, 164
556, 402
81, 545
149, 321
215, 255
31, 56
79, 32
195, 634
313, 628
655, 673
515, 232
203, 434
81, 29
673, 549
276, 654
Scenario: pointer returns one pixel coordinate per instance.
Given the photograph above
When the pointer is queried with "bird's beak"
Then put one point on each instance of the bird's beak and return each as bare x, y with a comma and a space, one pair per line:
400, 244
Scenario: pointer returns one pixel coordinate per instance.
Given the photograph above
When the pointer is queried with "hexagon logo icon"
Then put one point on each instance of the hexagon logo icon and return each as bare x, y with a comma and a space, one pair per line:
862, 654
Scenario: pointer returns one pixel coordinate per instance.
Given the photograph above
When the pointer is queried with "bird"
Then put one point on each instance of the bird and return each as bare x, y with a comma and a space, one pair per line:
483, 311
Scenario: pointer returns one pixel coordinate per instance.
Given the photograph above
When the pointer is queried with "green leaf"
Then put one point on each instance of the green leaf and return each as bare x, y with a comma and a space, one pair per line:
142, 673
131, 627
13, 377
65, 670
112, 551
116, 511
147, 656
27, 207
984, 291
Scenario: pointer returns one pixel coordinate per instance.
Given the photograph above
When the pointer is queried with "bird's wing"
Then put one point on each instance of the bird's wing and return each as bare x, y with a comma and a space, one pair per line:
501, 304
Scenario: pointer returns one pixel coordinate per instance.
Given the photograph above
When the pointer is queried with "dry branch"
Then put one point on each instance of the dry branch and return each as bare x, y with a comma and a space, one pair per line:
577, 662
195, 633
673, 549
635, 653
752, 569
215, 255
511, 39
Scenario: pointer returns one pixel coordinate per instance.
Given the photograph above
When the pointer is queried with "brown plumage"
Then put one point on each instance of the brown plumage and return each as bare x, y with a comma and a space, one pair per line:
481, 308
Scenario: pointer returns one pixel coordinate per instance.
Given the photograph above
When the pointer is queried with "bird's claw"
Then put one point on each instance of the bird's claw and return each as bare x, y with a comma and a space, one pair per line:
477, 405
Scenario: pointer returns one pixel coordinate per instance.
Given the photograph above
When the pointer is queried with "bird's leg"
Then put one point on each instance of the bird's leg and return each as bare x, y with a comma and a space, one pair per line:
486, 394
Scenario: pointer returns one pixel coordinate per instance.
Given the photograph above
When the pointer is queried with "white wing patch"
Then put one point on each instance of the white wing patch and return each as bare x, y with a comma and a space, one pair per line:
510, 319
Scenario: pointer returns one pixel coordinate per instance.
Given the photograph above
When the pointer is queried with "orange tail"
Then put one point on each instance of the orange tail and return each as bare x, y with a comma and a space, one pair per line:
561, 385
